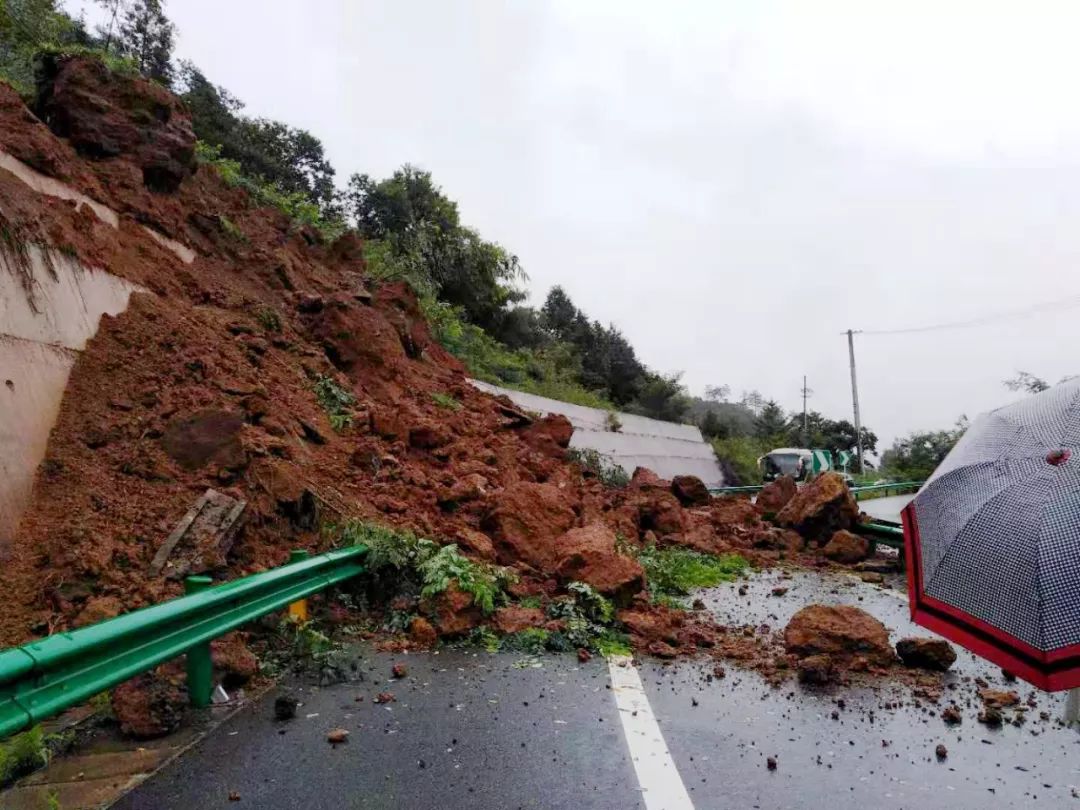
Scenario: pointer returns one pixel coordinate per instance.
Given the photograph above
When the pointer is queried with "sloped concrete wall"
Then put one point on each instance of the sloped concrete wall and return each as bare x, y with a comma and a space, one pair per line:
50, 306
666, 448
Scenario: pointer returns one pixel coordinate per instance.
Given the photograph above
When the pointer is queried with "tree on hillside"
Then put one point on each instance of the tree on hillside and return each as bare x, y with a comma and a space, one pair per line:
662, 397
107, 30
559, 313
752, 400
828, 434
770, 421
717, 393
25, 27
1025, 381
916, 456
146, 35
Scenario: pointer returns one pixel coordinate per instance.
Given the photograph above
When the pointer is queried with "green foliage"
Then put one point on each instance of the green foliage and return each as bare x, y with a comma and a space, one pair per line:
231, 229
486, 583
611, 643
673, 572
294, 204
742, 453
336, 401
833, 435
586, 616
661, 397
433, 567
22, 754
606, 471
1026, 381
145, 35
594, 606
916, 456
269, 319
612, 422
485, 637
445, 401
533, 640
530, 602
420, 234
770, 422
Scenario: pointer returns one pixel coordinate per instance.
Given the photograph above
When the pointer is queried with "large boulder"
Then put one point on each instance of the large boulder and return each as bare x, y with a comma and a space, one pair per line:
840, 631
690, 490
588, 555
514, 619
926, 653
644, 479
525, 520
775, 495
549, 435
355, 337
660, 512
107, 115
148, 706
453, 611
845, 547
820, 508
210, 435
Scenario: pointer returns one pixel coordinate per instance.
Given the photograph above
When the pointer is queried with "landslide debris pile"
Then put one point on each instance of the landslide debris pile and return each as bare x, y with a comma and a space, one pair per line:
271, 370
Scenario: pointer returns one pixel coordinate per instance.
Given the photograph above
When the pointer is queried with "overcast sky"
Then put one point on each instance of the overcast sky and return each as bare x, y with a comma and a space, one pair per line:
732, 184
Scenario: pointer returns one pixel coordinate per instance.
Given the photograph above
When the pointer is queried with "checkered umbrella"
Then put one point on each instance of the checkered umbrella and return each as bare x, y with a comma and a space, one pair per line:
993, 540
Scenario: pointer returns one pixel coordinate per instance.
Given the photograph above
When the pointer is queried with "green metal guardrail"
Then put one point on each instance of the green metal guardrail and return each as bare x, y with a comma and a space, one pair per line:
44, 677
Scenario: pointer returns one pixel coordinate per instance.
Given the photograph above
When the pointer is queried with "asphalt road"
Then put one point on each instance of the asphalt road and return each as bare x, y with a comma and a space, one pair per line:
474, 730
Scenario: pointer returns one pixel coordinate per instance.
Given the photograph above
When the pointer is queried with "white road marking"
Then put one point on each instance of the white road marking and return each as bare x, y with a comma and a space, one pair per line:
661, 786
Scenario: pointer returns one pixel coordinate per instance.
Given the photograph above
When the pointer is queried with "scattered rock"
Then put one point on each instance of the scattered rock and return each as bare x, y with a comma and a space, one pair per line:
999, 698
285, 707
941, 752
816, 669
385, 697
148, 706
583, 655
399, 671
337, 735
690, 490
820, 508
643, 478
550, 435
872, 577
991, 716
841, 631
775, 495
422, 633
234, 795
1008, 676
779, 590
770, 763
926, 653
719, 671
848, 548
230, 655
661, 649
951, 715
453, 611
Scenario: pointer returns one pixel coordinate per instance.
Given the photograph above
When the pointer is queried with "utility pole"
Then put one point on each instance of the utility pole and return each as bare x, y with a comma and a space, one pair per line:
805, 426
855, 396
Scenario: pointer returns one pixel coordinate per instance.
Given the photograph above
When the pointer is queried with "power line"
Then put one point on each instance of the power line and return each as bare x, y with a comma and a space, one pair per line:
984, 320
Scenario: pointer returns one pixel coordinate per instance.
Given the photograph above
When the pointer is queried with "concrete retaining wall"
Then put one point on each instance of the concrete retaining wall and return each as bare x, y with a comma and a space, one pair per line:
50, 306
666, 448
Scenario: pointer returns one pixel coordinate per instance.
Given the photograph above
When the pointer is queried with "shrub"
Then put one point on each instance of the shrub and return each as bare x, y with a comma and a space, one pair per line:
269, 319
431, 566
742, 453
603, 467
336, 401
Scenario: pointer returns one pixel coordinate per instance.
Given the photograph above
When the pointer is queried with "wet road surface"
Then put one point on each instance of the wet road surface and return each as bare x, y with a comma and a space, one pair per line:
475, 730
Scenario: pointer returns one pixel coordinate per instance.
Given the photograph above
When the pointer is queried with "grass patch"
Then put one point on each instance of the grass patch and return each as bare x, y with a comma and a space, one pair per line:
336, 401
599, 465
232, 230
22, 754
446, 401
269, 319
675, 572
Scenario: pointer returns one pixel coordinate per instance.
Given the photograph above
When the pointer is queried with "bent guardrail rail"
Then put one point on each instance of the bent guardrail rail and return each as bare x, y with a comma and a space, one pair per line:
898, 486
44, 677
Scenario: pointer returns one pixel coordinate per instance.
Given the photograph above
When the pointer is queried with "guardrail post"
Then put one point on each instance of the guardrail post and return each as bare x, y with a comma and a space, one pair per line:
200, 667
298, 609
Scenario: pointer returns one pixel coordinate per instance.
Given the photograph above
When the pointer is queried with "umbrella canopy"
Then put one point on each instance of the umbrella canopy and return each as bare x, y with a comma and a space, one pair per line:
993, 540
